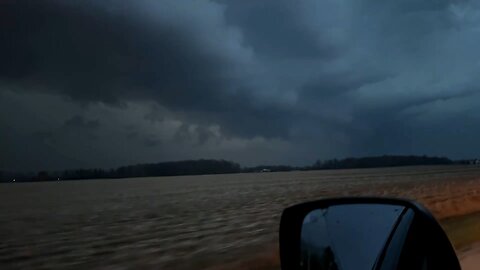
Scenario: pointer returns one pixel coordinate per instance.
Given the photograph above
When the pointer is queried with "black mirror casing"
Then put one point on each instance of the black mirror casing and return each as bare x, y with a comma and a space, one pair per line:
416, 241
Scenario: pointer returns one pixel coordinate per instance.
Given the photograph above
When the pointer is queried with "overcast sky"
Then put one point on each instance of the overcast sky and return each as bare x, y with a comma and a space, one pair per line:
109, 83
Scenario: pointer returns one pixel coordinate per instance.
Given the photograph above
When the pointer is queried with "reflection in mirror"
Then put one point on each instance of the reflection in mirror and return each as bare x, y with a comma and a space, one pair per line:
347, 236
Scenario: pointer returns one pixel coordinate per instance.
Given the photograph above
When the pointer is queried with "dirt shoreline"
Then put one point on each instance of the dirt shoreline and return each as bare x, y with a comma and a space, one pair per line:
470, 257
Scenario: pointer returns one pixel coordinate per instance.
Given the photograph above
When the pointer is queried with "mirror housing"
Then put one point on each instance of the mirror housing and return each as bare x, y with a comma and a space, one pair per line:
414, 240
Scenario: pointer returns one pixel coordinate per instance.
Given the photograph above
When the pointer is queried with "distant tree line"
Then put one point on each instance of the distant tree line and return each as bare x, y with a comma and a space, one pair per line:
173, 168
380, 161
206, 166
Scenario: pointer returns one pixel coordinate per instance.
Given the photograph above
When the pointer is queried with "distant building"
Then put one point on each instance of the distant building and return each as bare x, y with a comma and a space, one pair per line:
265, 170
474, 162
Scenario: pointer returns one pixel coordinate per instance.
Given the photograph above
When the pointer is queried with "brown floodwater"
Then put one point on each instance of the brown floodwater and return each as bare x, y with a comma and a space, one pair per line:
193, 222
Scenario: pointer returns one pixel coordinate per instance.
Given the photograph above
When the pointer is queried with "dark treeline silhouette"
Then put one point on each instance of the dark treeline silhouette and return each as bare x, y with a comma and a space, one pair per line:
380, 161
187, 167
203, 166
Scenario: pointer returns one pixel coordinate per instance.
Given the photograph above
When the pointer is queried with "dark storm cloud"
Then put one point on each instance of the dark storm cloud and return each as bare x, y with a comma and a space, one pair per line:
93, 53
275, 30
151, 142
78, 121
267, 79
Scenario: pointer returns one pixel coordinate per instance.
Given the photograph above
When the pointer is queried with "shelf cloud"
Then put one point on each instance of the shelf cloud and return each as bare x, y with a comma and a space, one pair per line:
107, 83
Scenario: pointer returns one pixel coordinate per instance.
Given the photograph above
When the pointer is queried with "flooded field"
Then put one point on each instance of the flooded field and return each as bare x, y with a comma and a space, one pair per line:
202, 222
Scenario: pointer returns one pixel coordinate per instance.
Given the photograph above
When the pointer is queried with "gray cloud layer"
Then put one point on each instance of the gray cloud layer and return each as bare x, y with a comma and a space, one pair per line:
103, 83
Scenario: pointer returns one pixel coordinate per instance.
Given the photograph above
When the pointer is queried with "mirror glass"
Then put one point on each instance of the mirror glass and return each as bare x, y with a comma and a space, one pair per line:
346, 236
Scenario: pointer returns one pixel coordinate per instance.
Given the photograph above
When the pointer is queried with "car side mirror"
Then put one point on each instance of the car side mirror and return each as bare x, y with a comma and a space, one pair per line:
363, 234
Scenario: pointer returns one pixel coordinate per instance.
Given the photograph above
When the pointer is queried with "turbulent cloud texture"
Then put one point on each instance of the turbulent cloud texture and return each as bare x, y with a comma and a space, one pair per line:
106, 83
